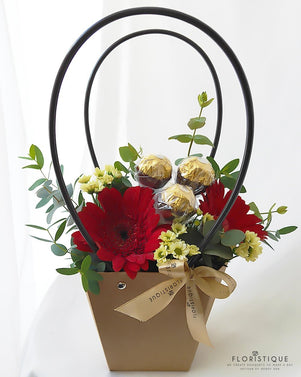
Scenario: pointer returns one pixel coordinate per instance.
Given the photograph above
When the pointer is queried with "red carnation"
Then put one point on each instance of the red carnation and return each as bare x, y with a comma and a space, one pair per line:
124, 228
214, 200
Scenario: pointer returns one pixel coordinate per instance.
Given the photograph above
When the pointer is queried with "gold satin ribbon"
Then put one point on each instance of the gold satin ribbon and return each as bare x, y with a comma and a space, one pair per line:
155, 299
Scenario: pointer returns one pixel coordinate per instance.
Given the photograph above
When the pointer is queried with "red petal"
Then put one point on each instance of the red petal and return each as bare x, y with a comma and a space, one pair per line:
110, 200
118, 262
104, 254
131, 274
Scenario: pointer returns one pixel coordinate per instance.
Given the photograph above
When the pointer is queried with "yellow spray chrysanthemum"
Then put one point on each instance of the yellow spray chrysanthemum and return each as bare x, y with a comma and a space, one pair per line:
160, 254
207, 217
99, 173
251, 248
193, 250
179, 250
84, 179
92, 187
168, 236
110, 169
178, 228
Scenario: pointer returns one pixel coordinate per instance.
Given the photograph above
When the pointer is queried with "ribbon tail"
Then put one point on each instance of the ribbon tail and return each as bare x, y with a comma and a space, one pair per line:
152, 301
195, 315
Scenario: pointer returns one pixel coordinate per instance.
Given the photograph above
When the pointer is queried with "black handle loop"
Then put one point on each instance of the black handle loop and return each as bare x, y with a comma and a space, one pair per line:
233, 60
147, 32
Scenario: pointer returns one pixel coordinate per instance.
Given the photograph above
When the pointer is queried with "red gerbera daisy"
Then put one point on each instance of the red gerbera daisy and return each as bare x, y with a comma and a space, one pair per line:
125, 228
214, 200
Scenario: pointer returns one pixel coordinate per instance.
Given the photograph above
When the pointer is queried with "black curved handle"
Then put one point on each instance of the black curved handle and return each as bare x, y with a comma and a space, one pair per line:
236, 65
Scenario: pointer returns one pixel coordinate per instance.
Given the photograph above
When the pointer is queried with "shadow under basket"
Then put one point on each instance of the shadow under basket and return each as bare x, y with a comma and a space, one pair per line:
162, 343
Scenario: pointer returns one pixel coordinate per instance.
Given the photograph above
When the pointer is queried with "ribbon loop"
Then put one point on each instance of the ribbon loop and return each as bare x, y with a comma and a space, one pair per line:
155, 299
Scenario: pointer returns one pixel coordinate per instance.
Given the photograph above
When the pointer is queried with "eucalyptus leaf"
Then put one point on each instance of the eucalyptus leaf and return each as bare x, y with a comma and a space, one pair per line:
126, 182
32, 152
60, 230
43, 192
207, 228
127, 154
229, 182
214, 166
67, 271
58, 249
203, 140
25, 158
85, 283
119, 166
39, 157
94, 287
272, 236
35, 227
93, 275
179, 160
287, 229
133, 150
31, 167
37, 183
183, 138
43, 202
41, 239
207, 103
221, 251
100, 267
232, 237
230, 166
254, 208
86, 264
196, 123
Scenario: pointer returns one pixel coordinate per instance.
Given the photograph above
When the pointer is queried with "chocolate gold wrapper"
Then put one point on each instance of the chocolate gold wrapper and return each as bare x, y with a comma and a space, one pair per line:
154, 171
176, 201
195, 173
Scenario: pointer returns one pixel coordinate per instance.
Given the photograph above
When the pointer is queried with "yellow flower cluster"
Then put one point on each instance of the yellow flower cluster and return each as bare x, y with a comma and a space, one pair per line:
99, 180
250, 248
172, 246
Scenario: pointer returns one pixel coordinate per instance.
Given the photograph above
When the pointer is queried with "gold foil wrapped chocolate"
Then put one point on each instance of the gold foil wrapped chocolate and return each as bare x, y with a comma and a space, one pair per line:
195, 173
154, 171
176, 201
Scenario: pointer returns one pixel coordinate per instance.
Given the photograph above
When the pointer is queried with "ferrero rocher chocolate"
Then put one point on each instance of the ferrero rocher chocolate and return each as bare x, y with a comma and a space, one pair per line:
179, 199
195, 173
154, 171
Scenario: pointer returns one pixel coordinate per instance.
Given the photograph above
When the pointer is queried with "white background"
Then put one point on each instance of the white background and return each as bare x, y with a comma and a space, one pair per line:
146, 92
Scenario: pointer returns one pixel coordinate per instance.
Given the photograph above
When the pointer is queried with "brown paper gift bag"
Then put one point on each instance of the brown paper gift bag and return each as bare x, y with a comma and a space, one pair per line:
163, 343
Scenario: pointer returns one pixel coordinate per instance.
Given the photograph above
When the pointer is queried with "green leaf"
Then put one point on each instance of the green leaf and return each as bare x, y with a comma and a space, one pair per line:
287, 229
41, 239
58, 221
119, 166
37, 183
67, 271
100, 267
31, 167
214, 166
266, 242
86, 264
50, 208
127, 154
94, 286
183, 138
133, 151
43, 202
85, 283
202, 98
58, 249
60, 230
126, 182
196, 123
36, 227
179, 160
229, 182
282, 210
232, 237
230, 166
203, 140
93, 275
207, 103
32, 152
272, 236
219, 251
25, 158
254, 208
196, 155
39, 156
207, 228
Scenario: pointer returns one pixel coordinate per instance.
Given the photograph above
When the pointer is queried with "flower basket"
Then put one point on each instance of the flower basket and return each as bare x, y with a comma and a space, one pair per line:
162, 246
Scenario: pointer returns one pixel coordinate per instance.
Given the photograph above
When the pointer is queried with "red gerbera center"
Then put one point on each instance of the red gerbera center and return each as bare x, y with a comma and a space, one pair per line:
213, 202
124, 228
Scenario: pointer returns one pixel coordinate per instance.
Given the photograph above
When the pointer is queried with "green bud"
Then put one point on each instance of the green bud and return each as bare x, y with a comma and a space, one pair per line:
282, 210
196, 223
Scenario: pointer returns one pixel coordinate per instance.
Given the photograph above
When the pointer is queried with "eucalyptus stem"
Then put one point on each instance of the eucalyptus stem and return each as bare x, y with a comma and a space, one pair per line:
190, 145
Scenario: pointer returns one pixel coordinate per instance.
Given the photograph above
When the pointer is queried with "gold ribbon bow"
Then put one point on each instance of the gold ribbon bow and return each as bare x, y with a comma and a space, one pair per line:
155, 299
